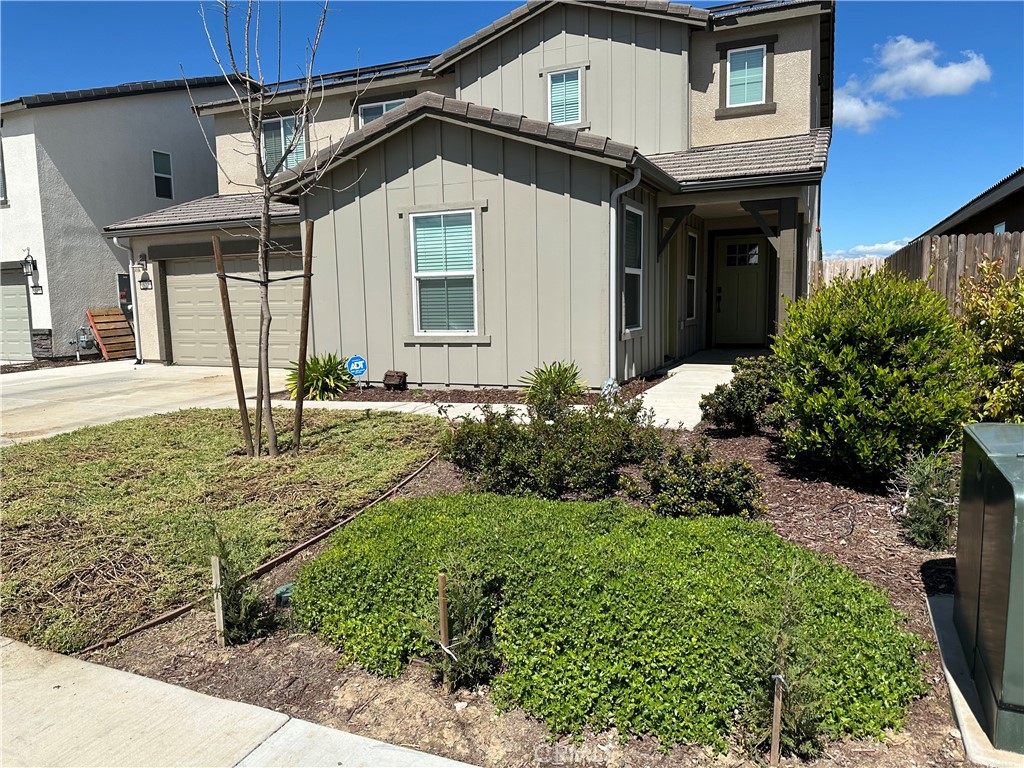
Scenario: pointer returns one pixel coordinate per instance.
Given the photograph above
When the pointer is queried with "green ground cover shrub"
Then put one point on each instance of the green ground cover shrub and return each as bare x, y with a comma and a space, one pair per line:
689, 482
326, 377
750, 402
614, 616
873, 370
929, 484
578, 453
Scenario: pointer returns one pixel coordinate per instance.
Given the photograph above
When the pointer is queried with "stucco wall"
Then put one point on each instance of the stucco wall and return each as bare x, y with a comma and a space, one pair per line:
542, 263
796, 62
21, 218
634, 77
335, 118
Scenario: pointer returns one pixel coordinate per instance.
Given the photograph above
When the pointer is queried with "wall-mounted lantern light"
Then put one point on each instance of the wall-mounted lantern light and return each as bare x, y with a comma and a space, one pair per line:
28, 265
145, 281
37, 290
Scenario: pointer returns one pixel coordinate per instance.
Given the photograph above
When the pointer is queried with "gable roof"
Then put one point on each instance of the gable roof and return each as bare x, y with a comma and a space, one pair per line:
1001, 189
209, 212
660, 8
765, 159
111, 91
430, 104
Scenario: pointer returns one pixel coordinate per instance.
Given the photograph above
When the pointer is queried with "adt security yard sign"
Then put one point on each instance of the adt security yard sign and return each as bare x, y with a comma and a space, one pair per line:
356, 366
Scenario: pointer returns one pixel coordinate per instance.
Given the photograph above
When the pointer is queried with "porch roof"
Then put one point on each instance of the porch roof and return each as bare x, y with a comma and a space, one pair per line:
209, 212
799, 156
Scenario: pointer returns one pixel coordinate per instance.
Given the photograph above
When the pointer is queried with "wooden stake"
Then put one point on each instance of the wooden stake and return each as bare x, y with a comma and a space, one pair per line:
776, 722
229, 327
300, 392
258, 440
442, 602
218, 601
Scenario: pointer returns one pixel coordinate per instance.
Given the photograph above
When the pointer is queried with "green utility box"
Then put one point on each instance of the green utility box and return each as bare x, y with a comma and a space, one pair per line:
988, 609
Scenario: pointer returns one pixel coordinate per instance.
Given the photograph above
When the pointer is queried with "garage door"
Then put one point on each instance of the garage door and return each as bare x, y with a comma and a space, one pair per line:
15, 336
197, 320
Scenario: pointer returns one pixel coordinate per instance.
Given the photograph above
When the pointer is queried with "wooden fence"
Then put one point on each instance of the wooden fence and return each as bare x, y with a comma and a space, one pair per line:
825, 271
943, 261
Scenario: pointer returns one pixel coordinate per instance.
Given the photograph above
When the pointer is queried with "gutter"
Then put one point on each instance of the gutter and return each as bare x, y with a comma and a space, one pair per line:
613, 275
135, 303
206, 226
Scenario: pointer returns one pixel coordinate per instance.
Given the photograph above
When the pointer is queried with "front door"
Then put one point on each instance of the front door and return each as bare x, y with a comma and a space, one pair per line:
741, 288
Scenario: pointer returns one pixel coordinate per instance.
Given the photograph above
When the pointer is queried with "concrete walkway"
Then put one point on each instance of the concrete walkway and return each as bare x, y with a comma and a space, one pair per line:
59, 711
677, 399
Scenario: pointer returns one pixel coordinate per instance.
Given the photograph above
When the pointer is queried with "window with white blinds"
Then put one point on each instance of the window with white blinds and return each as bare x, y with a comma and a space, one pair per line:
277, 135
632, 269
746, 76
564, 97
444, 272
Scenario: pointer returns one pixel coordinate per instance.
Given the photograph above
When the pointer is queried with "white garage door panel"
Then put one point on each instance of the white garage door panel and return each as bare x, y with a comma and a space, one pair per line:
15, 335
197, 321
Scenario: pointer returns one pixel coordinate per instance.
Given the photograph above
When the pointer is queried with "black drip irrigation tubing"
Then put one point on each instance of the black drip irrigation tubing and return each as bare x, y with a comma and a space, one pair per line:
260, 570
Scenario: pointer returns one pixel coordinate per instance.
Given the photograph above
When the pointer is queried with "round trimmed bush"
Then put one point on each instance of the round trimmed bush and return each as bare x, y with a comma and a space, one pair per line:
873, 369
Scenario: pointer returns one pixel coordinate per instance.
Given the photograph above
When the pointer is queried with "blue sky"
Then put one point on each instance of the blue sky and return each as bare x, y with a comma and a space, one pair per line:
930, 95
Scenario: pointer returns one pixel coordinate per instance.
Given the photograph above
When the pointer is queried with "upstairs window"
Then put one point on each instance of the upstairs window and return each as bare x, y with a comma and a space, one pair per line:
444, 272
3, 175
632, 268
162, 175
370, 112
277, 135
746, 75
564, 97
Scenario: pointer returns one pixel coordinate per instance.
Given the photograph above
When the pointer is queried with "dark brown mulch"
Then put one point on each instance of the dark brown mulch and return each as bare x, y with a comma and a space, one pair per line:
297, 674
38, 365
484, 395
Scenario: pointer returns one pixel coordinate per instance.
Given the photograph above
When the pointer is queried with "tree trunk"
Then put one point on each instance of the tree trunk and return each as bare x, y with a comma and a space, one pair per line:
264, 364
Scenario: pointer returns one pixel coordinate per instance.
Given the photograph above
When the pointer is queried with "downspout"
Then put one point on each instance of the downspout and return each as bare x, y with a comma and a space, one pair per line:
613, 276
135, 303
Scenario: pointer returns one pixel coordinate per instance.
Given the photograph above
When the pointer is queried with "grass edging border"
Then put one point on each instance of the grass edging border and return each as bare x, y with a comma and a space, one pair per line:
260, 570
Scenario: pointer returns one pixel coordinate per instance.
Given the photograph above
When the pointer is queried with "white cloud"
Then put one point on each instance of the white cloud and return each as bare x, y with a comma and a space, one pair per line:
861, 251
905, 68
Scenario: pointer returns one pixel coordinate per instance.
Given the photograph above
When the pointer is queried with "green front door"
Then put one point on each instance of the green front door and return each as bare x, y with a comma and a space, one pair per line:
741, 288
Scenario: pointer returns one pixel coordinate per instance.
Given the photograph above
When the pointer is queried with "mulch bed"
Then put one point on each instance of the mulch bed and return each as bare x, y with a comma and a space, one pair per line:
38, 365
483, 395
295, 673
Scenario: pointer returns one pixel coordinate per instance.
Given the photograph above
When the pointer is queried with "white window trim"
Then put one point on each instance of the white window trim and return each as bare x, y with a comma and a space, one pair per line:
691, 311
168, 176
579, 87
396, 102
634, 271
728, 75
417, 276
280, 122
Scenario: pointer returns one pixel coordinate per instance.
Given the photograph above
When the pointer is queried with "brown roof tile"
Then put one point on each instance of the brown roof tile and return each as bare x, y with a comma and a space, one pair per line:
215, 209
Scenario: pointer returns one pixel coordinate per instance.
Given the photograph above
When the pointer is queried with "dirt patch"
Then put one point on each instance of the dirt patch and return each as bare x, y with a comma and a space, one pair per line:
295, 673
481, 395
38, 365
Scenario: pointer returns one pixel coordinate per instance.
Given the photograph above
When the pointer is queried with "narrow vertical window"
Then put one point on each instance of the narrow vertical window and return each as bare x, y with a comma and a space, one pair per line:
277, 135
564, 97
691, 277
162, 181
444, 272
632, 268
746, 80
3, 174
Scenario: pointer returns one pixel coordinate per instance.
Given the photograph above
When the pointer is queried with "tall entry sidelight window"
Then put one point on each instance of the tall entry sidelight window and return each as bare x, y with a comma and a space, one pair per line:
633, 268
691, 276
444, 272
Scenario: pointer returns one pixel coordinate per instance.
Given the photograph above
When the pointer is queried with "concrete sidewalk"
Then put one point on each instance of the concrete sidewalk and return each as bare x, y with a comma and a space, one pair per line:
677, 399
60, 711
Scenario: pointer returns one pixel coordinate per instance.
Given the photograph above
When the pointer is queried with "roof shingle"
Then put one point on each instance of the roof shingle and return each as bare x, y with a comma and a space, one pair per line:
215, 209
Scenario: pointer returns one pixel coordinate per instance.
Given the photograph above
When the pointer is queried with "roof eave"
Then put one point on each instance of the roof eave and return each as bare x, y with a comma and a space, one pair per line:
205, 226
991, 196
742, 182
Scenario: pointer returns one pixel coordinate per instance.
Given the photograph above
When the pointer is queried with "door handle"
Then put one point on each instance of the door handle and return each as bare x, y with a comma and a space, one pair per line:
718, 300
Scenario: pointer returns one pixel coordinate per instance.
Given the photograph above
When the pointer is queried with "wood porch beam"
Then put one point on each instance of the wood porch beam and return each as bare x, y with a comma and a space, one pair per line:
678, 214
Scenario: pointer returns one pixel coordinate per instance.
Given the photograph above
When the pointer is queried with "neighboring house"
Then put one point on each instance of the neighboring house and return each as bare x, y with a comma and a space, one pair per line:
620, 184
70, 163
1000, 208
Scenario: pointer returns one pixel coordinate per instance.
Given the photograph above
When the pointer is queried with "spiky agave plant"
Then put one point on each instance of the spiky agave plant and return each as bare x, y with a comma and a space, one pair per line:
326, 377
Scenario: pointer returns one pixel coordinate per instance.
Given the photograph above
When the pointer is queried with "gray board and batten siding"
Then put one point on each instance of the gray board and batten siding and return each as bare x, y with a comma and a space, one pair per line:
541, 229
634, 72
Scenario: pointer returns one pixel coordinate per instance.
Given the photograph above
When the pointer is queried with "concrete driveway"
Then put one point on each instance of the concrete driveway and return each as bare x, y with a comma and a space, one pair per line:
37, 404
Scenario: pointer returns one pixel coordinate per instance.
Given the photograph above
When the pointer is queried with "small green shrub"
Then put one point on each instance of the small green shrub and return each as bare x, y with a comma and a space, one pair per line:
326, 377
689, 482
750, 402
609, 615
992, 311
873, 369
247, 615
576, 454
929, 484
552, 388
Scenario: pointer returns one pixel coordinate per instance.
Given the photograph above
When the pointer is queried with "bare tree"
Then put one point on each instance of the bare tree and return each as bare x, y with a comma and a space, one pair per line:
240, 60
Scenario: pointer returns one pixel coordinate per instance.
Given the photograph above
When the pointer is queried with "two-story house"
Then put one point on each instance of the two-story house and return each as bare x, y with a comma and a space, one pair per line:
617, 183
70, 163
